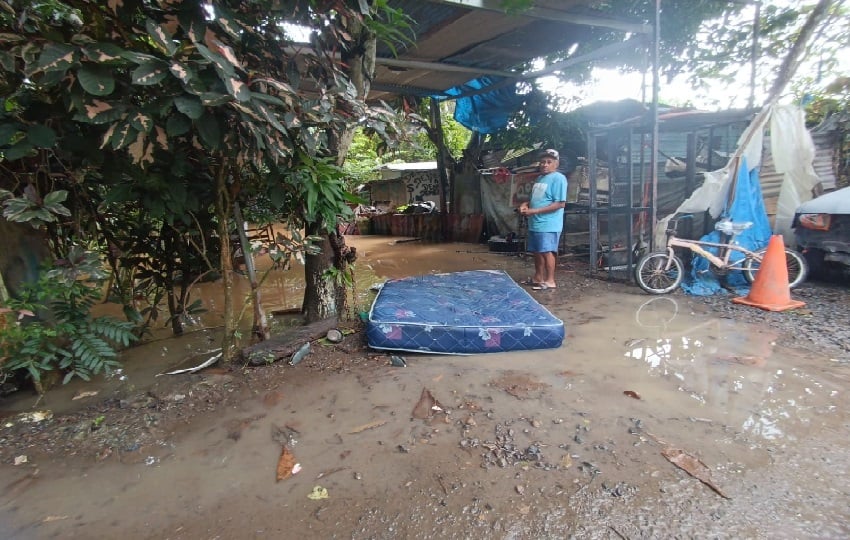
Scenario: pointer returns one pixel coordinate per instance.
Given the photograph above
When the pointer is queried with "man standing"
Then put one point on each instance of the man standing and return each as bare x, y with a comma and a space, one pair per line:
545, 213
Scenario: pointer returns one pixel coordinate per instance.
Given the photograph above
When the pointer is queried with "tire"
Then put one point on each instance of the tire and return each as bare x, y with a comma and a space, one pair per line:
652, 277
817, 264
798, 269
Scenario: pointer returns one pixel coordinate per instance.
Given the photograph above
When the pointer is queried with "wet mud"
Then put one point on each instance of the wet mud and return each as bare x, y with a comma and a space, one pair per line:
567, 442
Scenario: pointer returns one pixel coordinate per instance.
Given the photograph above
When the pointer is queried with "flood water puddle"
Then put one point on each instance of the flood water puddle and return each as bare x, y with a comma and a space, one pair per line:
532, 444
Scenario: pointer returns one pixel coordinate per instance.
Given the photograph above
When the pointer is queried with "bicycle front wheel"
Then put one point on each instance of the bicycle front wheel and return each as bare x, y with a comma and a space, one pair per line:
798, 269
653, 276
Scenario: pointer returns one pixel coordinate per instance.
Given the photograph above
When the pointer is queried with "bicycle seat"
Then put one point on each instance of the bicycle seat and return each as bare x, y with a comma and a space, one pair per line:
727, 226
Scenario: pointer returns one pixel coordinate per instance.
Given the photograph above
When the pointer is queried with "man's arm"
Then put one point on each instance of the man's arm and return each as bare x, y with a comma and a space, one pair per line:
551, 207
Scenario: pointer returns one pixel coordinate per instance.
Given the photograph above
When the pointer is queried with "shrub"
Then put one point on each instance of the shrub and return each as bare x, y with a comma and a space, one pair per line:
50, 326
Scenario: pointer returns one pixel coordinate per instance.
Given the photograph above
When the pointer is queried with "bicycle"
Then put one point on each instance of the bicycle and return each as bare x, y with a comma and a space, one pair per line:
662, 272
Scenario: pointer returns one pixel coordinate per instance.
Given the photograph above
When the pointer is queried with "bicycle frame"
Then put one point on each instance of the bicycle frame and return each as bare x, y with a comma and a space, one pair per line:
662, 271
698, 247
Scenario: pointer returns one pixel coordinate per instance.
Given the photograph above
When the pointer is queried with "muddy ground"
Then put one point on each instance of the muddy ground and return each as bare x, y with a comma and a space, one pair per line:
581, 441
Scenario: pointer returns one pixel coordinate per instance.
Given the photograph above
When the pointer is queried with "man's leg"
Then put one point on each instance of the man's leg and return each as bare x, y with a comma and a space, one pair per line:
549, 260
539, 267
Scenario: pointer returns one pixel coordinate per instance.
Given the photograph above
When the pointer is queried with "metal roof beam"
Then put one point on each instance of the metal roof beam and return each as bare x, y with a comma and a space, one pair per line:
437, 66
555, 15
413, 64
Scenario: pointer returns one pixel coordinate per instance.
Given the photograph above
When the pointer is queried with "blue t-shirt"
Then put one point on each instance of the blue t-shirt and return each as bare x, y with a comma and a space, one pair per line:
548, 188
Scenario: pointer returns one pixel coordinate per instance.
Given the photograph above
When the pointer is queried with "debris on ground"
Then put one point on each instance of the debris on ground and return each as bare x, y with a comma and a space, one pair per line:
334, 335
300, 354
286, 465
692, 466
427, 406
520, 385
318, 493
285, 435
370, 425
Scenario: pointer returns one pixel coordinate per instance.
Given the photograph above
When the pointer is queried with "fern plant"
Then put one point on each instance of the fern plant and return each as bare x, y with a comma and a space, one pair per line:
54, 328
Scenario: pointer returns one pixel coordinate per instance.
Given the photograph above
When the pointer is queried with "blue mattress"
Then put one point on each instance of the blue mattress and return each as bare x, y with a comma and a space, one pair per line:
478, 311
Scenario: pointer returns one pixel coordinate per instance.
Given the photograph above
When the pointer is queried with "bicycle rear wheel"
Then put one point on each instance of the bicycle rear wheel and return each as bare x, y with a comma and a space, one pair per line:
653, 276
798, 269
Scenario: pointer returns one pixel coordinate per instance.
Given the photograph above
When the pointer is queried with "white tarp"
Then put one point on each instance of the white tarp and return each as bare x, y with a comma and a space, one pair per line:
793, 153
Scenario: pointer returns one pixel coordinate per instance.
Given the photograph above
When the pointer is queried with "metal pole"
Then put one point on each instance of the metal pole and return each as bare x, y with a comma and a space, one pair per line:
592, 215
653, 159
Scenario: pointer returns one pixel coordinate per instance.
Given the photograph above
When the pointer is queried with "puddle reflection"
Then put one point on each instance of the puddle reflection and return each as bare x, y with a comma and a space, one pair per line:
731, 369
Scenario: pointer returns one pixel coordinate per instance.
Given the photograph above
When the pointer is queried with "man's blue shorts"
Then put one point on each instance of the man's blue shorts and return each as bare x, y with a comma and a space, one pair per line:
542, 242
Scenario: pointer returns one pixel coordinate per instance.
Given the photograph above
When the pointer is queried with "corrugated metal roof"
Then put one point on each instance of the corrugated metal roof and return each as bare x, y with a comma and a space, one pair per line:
459, 40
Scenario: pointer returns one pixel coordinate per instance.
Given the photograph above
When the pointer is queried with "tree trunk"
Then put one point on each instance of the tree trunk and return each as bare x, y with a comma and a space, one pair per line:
320, 289
792, 60
325, 294
222, 210
175, 307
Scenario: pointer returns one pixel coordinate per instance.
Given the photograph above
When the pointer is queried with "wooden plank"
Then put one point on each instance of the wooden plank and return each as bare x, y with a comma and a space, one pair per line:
281, 347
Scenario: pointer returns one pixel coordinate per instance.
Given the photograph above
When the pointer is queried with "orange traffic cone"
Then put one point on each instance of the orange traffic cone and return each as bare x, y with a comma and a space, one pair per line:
770, 290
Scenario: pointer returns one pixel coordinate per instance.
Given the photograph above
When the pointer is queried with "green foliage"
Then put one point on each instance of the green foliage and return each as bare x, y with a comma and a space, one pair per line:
389, 25
322, 183
32, 209
54, 328
118, 116
368, 152
362, 160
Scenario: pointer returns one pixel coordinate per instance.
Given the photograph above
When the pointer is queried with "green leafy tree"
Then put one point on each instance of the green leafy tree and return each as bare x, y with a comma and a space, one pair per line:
812, 34
50, 327
368, 153
167, 108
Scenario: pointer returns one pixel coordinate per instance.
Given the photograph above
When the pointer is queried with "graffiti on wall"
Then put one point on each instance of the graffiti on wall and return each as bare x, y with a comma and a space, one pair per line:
415, 186
421, 185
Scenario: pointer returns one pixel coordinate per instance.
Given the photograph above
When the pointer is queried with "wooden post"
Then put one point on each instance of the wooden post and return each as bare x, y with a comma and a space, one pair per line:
261, 325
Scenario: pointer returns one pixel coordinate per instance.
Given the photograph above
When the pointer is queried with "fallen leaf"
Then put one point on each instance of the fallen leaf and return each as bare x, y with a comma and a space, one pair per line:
631, 394
318, 493
82, 395
692, 466
285, 464
20, 460
426, 405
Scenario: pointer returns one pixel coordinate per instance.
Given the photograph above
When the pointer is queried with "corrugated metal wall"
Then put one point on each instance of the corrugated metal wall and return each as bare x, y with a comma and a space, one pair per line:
771, 181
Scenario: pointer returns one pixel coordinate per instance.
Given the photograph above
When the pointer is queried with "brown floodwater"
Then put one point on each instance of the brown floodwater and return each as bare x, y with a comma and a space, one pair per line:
553, 443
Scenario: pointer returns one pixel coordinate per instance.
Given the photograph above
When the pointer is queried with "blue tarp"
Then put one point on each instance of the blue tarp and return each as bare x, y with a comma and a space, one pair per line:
747, 205
486, 112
